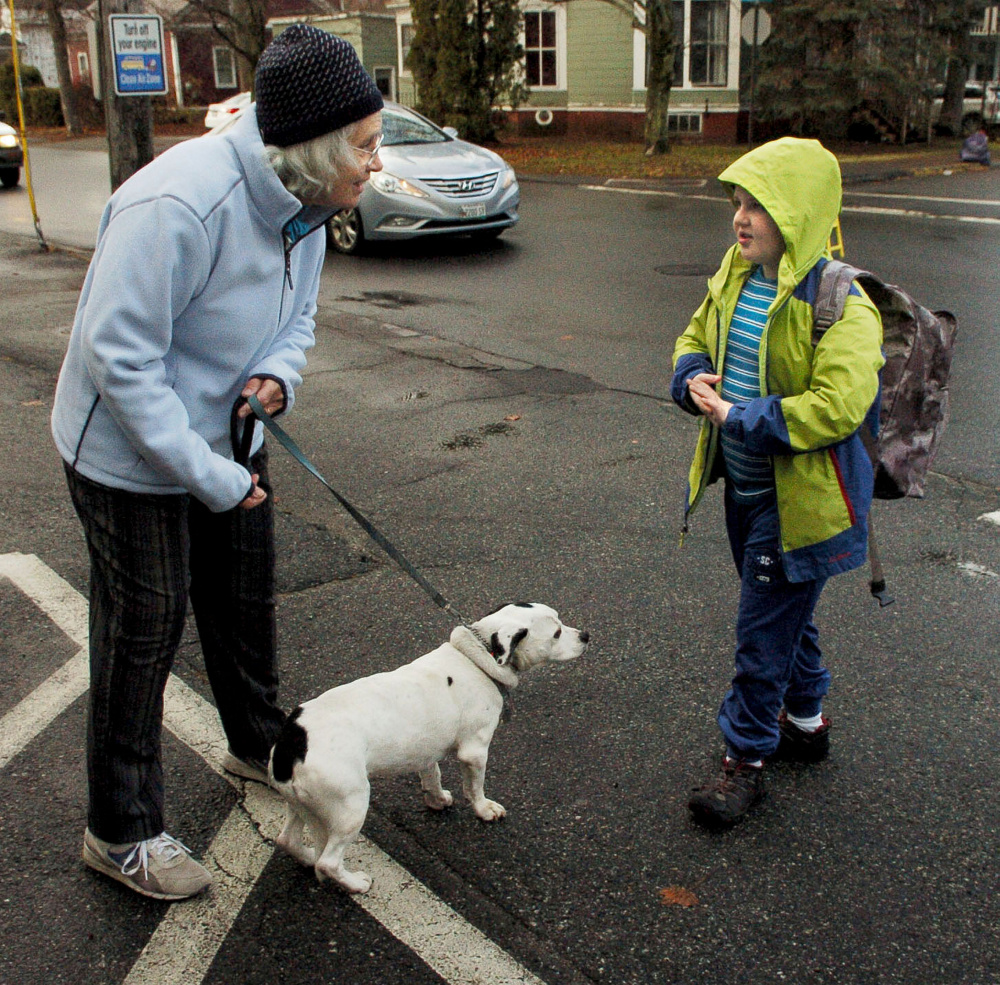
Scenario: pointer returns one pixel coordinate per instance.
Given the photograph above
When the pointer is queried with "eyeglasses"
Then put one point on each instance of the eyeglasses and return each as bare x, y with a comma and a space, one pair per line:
370, 154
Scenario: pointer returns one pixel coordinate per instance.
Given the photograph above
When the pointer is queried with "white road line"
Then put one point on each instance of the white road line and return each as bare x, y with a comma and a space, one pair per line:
918, 214
68, 610
655, 193
189, 936
57, 598
995, 202
862, 209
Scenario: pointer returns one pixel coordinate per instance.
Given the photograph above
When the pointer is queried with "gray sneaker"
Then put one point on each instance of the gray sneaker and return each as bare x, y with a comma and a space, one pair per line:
245, 768
159, 867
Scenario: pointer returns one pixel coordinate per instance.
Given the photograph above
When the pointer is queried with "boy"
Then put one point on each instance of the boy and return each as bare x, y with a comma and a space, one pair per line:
780, 418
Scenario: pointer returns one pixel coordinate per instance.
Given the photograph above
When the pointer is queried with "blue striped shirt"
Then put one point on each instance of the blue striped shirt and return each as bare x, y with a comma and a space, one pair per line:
750, 475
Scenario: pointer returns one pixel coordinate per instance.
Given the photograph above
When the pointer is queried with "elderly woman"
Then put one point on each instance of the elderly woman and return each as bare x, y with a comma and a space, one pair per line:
201, 291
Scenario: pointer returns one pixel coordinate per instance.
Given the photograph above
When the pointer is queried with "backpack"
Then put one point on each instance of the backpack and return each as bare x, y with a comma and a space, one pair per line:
918, 345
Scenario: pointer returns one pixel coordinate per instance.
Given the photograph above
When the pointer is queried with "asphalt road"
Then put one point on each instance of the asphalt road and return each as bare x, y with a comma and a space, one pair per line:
498, 414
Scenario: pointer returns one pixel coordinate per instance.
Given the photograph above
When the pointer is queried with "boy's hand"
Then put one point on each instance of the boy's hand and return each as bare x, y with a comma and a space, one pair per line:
703, 396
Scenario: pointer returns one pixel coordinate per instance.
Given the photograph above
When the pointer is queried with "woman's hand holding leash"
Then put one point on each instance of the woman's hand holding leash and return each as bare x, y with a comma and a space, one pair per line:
268, 392
272, 399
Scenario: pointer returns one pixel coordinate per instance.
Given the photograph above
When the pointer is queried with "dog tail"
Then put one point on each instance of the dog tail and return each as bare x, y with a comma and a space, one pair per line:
290, 748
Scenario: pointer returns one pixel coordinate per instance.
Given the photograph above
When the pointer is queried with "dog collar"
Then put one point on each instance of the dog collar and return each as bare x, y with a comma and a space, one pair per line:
507, 711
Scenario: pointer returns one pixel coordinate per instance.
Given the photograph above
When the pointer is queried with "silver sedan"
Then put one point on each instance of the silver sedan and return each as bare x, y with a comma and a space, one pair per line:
431, 183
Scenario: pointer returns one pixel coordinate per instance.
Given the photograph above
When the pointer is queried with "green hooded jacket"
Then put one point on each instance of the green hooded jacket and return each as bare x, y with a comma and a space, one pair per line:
814, 397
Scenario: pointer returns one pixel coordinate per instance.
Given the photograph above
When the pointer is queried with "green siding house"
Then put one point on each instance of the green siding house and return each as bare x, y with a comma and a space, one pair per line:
585, 63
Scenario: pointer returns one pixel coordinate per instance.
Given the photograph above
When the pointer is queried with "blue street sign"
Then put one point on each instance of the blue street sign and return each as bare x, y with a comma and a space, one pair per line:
137, 48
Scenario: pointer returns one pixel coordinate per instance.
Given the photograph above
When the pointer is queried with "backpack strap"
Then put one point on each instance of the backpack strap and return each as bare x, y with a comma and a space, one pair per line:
831, 295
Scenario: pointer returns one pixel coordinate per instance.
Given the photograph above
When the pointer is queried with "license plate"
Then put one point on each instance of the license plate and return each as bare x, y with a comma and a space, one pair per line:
474, 211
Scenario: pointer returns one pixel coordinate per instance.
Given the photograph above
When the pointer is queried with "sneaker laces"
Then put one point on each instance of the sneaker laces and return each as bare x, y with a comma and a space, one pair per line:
138, 857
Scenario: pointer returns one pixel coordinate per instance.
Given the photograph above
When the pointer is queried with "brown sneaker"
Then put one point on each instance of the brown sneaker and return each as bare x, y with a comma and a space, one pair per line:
159, 867
728, 798
798, 746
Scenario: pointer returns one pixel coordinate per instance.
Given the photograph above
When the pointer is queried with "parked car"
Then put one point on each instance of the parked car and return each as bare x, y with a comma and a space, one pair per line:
431, 184
974, 112
11, 156
220, 112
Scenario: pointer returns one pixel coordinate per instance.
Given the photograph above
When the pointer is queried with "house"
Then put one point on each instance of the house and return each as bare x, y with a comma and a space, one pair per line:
373, 35
35, 39
585, 64
209, 67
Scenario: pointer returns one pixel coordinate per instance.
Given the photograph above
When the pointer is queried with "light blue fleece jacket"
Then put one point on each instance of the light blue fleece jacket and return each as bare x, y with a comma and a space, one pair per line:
203, 276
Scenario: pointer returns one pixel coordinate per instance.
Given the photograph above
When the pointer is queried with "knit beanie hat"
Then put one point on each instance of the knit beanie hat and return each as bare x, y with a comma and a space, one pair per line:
308, 83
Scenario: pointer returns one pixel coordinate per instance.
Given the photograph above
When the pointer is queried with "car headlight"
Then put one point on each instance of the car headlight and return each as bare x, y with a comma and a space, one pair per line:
508, 178
8, 140
389, 184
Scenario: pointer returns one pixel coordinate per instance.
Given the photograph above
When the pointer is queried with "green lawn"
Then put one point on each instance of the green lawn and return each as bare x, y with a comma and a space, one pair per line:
607, 159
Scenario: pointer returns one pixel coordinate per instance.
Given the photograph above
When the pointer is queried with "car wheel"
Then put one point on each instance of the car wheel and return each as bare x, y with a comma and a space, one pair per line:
345, 232
9, 177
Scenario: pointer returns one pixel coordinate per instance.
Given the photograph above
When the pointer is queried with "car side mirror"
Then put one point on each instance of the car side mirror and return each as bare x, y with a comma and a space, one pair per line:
451, 131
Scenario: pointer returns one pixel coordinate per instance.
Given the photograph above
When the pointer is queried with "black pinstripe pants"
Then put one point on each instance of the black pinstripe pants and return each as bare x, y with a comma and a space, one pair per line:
150, 555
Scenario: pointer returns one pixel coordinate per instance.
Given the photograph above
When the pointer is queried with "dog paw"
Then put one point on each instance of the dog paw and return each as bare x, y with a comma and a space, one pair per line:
490, 810
438, 801
352, 882
356, 882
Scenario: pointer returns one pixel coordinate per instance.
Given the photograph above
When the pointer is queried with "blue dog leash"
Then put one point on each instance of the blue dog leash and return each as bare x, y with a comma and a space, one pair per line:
369, 528
241, 448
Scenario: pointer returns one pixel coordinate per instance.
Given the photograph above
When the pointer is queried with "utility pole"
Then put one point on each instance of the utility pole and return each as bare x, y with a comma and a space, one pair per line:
129, 119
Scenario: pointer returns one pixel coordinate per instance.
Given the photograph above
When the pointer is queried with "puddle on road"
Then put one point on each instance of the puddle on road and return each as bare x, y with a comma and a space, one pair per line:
393, 300
540, 380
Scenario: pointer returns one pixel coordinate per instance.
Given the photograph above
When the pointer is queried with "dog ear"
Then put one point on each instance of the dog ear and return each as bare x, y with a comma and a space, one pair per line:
503, 655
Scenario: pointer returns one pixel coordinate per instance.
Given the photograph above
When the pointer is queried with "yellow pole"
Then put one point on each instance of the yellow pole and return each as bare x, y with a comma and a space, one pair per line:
837, 240
20, 118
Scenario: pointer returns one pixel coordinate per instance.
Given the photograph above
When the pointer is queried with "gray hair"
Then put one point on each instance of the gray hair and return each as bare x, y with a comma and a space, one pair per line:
309, 168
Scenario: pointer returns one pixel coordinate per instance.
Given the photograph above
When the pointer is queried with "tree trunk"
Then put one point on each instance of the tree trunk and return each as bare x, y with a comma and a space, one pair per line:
129, 119
950, 119
57, 28
660, 74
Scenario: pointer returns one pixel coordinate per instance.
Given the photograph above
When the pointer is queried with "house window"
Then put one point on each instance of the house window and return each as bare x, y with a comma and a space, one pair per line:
540, 65
224, 64
82, 66
709, 54
684, 122
701, 45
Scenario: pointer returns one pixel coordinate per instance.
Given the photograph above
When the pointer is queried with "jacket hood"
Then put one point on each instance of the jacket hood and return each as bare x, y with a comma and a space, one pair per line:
798, 182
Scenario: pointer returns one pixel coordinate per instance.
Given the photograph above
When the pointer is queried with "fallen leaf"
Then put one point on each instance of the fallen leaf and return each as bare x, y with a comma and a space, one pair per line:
565, 338
513, 417
678, 896
31, 403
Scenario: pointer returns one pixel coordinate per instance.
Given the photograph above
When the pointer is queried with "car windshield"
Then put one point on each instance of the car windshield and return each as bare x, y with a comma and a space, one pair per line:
407, 128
